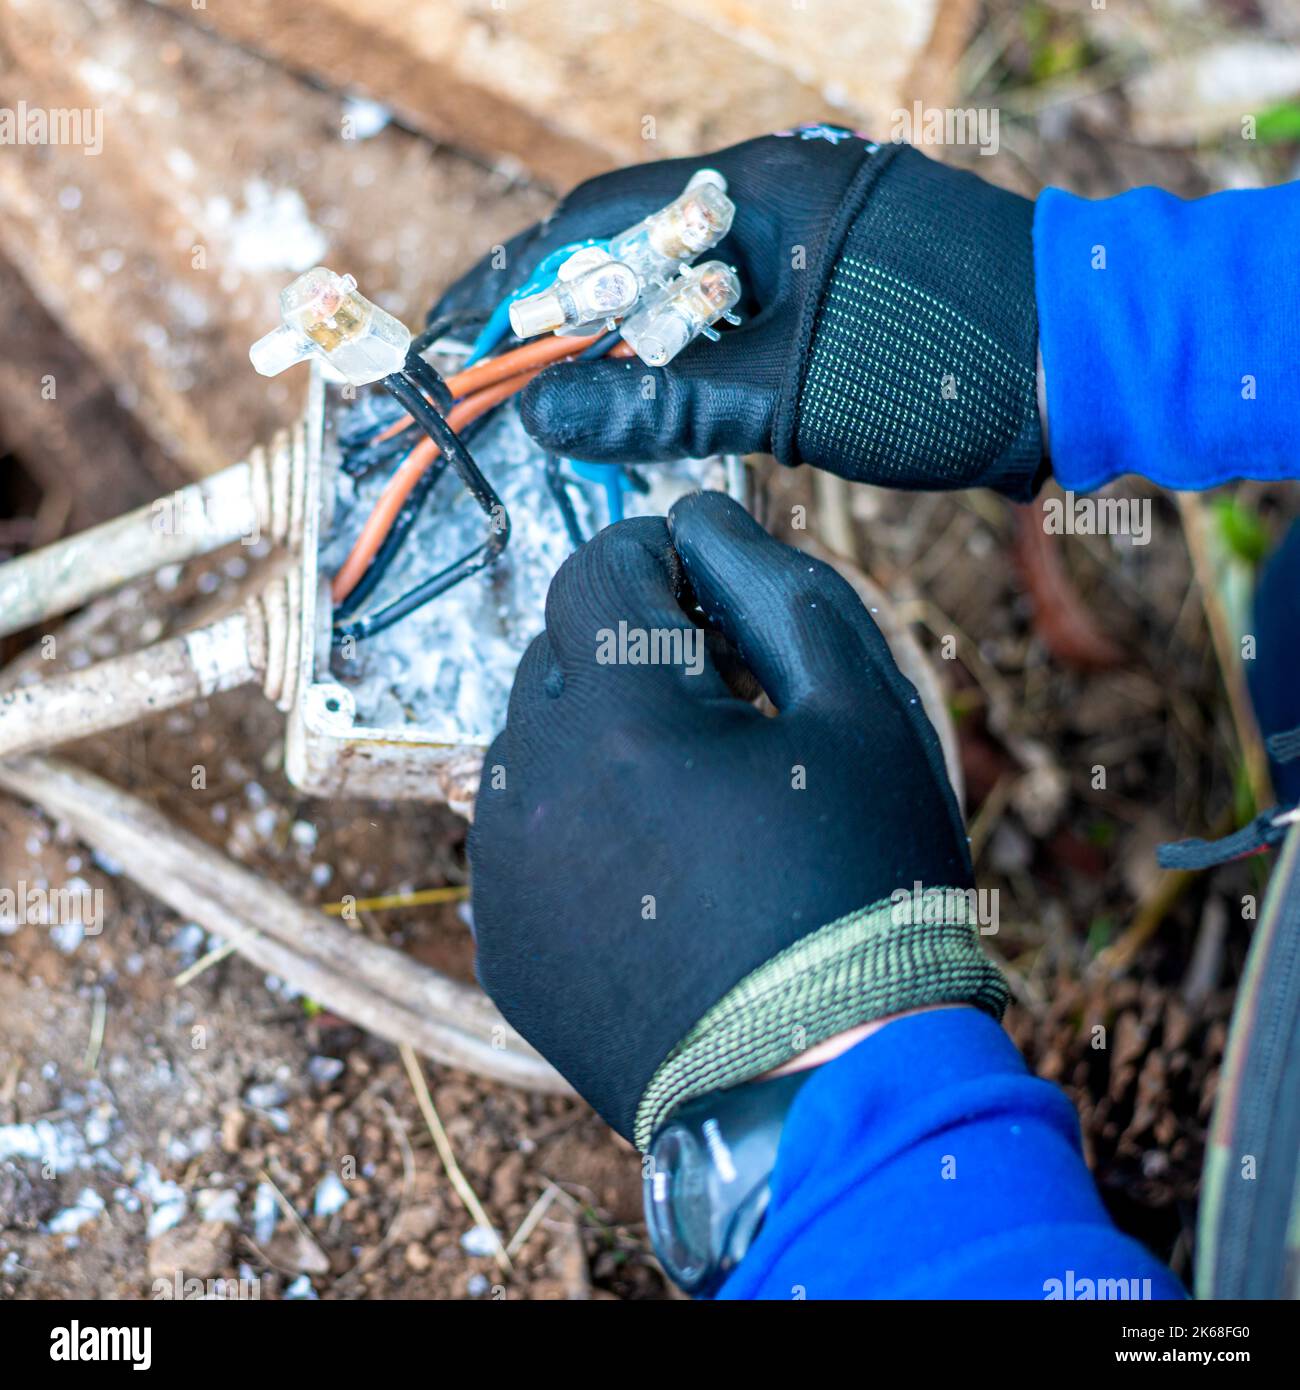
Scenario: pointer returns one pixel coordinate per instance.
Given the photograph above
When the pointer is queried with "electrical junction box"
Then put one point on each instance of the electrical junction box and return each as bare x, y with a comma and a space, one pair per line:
409, 712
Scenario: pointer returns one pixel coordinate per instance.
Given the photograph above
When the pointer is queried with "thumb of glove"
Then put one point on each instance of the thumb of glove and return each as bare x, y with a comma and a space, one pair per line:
716, 398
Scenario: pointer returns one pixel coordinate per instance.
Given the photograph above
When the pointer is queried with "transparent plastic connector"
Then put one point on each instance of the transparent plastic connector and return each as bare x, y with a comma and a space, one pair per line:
659, 245
673, 316
579, 298
324, 316
602, 283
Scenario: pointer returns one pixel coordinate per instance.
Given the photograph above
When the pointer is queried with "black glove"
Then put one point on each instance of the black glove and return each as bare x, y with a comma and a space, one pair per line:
673, 893
889, 331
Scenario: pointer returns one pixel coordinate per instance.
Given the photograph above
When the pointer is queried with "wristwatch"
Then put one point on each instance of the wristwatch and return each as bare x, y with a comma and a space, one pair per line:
708, 1179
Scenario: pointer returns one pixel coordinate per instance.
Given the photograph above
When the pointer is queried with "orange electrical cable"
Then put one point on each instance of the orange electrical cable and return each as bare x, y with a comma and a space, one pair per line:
541, 352
535, 355
544, 351
398, 488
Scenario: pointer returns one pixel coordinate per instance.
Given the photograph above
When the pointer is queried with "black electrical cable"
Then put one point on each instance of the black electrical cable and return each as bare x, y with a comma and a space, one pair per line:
382, 619
396, 538
401, 528
440, 327
408, 387
600, 347
428, 383
393, 541
430, 380
559, 490
358, 460
358, 457
427, 379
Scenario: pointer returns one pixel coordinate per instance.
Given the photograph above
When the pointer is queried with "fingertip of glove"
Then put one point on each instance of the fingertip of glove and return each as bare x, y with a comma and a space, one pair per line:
637, 545
542, 408
700, 517
569, 407
626, 571
648, 532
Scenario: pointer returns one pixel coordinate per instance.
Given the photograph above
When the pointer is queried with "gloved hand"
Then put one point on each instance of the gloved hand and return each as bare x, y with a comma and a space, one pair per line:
673, 893
889, 330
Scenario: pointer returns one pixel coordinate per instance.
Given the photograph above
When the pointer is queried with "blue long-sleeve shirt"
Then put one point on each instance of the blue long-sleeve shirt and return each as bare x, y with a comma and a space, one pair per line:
926, 1162
1170, 335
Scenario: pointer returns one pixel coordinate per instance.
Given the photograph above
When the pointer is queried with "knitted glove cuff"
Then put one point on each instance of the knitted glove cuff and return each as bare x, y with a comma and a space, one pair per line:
874, 962
923, 364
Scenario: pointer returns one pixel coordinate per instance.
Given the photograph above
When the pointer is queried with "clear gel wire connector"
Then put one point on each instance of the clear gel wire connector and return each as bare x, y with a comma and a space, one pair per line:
590, 288
659, 245
686, 308
601, 283
325, 317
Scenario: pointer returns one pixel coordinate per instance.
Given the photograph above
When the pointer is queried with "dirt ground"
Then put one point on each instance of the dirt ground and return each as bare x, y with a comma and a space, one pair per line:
233, 1131
229, 1130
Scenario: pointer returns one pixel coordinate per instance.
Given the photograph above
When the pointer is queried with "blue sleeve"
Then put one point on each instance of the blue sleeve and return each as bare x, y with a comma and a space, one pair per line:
926, 1162
1170, 334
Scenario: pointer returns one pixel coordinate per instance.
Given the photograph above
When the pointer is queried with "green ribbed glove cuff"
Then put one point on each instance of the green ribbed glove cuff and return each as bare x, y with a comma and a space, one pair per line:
863, 966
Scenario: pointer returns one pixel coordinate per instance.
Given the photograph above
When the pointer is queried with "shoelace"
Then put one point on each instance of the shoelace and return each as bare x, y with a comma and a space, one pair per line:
1267, 830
